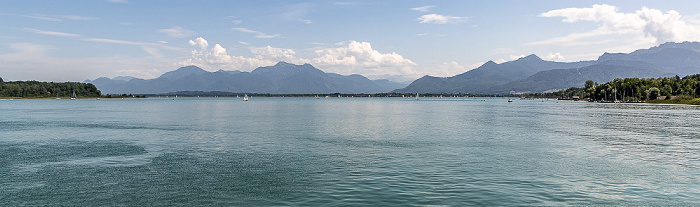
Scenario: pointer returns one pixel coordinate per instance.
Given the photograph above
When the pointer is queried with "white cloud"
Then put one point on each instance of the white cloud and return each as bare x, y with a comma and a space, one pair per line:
276, 54
218, 58
76, 17
201, 42
423, 8
440, 19
177, 31
352, 58
360, 58
515, 57
52, 33
42, 17
305, 21
257, 34
235, 20
648, 25
554, 57
243, 43
118, 1
102, 40
58, 18
449, 69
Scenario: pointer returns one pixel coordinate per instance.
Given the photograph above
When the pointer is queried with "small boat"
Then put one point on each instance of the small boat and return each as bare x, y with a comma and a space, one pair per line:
510, 100
73, 97
417, 96
245, 97
338, 95
98, 98
316, 96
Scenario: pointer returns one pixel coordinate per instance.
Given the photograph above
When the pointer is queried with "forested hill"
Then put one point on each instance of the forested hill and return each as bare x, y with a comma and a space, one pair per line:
36, 89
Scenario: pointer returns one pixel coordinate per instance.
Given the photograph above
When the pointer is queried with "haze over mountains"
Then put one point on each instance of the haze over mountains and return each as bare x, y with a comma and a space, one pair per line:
282, 78
532, 74
527, 74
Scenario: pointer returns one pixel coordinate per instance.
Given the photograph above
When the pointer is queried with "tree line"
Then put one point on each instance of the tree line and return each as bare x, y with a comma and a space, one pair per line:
36, 89
643, 89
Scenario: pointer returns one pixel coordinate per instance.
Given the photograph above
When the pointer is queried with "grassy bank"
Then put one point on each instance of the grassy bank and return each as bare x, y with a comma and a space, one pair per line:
690, 101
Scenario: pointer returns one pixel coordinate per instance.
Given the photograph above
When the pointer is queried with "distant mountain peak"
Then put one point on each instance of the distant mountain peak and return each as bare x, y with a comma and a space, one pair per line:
282, 63
530, 58
123, 78
490, 62
183, 72
190, 67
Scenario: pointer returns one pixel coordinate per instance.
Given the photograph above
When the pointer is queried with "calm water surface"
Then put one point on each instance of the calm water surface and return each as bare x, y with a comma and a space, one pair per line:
348, 151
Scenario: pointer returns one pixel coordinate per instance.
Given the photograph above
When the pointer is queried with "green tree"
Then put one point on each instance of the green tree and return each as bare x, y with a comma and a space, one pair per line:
653, 93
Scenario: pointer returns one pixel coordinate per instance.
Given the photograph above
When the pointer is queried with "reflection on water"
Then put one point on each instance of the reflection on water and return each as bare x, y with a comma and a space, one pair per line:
349, 151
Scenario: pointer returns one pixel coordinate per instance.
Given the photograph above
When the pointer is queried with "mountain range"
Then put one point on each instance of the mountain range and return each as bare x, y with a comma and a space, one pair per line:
282, 78
527, 74
532, 74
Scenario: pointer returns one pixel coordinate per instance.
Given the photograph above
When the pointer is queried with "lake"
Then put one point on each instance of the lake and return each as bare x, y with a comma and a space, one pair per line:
347, 152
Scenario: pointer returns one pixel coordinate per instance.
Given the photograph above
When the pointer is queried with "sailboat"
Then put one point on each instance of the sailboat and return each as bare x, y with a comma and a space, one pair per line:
245, 97
417, 96
73, 97
316, 96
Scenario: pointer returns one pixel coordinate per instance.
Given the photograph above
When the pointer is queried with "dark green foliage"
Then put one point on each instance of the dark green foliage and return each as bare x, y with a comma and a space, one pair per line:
562, 94
36, 89
644, 88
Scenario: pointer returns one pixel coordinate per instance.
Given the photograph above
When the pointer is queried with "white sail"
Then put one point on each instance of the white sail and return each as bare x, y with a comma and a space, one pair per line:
245, 97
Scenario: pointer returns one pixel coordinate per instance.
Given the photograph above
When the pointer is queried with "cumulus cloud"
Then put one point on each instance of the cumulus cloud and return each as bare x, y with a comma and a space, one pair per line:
359, 57
423, 8
650, 25
201, 42
257, 34
554, 57
177, 31
217, 57
352, 58
440, 19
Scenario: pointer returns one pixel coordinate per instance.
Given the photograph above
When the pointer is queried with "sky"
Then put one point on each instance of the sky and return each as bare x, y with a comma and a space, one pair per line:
75, 40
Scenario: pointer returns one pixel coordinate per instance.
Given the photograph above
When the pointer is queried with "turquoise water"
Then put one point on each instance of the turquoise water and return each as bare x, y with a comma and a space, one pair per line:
348, 151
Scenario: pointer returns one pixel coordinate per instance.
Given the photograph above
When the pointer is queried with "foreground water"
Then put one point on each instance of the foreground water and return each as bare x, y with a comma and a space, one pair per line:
348, 151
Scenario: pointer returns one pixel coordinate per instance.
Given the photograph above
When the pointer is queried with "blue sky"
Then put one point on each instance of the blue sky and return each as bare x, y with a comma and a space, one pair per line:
400, 40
